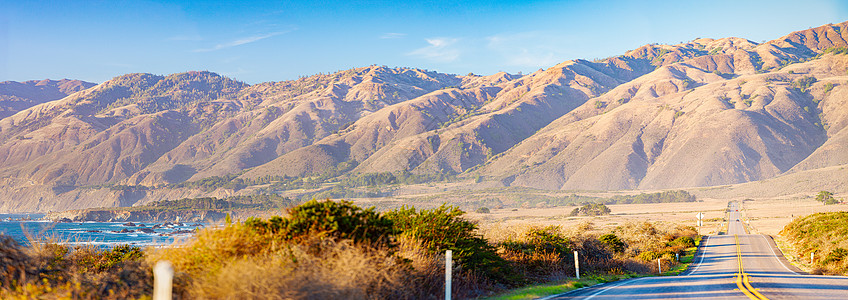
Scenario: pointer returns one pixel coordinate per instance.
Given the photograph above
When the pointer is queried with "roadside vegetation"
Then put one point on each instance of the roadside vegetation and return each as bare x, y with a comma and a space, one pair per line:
328, 249
50, 270
825, 235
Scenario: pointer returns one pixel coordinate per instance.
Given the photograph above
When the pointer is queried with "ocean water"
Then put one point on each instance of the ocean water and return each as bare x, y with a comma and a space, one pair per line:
104, 234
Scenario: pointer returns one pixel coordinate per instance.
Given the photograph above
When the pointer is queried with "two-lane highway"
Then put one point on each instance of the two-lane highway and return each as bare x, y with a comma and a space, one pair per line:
736, 265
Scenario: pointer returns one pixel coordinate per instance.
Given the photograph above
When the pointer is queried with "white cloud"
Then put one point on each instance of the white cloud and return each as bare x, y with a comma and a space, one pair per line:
392, 35
439, 50
241, 41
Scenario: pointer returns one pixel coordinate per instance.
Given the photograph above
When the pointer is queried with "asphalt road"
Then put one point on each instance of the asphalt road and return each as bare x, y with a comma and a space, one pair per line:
716, 274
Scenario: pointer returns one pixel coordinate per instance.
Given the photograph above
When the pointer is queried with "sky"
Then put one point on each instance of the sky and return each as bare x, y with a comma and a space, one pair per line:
260, 41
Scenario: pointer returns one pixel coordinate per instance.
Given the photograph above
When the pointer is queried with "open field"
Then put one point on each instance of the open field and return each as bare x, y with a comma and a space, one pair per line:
676, 213
769, 216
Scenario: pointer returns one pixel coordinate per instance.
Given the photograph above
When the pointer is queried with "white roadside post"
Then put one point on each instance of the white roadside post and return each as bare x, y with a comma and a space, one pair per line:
448, 271
812, 256
576, 265
163, 276
659, 266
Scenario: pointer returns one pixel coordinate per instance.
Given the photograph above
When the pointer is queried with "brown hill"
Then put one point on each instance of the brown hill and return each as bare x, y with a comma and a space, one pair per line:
680, 126
17, 96
702, 113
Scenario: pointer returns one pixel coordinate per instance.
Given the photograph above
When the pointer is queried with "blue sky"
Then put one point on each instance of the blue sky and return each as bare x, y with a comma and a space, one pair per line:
258, 41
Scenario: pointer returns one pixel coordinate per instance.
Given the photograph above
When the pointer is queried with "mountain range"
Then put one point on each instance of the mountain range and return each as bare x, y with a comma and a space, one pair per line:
708, 112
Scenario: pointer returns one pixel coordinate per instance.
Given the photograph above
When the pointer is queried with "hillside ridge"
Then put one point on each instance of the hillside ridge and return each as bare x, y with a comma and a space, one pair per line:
707, 112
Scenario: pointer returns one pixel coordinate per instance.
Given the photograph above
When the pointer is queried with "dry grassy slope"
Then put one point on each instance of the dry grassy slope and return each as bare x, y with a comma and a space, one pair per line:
832, 109
301, 112
681, 126
82, 140
457, 129
798, 184
17, 96
706, 112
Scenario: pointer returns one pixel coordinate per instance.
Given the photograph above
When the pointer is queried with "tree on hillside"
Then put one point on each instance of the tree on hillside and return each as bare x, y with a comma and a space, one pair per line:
592, 209
826, 198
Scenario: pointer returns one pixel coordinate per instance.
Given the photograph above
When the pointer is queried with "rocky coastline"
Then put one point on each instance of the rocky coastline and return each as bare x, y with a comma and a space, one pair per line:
133, 215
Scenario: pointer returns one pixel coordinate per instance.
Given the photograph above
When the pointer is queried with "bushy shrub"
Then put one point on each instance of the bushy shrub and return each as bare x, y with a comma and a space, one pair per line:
541, 240
90, 259
443, 229
613, 242
47, 270
835, 255
649, 256
538, 253
319, 219
592, 209
683, 241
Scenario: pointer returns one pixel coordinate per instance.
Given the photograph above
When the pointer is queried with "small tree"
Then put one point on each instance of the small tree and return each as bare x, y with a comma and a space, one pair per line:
826, 198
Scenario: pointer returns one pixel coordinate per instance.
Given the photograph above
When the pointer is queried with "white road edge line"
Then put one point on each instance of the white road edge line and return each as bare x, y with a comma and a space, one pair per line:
790, 270
776, 257
701, 260
614, 286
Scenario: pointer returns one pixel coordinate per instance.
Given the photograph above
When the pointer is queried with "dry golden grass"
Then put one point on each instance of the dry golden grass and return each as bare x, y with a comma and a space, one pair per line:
673, 213
770, 215
48, 270
340, 270
234, 262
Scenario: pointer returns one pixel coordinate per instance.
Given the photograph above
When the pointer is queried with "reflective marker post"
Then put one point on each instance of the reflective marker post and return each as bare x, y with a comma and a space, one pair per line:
659, 265
163, 276
448, 270
576, 265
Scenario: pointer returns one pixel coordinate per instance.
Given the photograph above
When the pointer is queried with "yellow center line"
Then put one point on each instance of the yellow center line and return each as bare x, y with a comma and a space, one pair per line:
742, 280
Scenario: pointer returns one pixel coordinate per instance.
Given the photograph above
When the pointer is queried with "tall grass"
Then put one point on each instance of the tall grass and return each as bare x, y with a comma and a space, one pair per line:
50, 270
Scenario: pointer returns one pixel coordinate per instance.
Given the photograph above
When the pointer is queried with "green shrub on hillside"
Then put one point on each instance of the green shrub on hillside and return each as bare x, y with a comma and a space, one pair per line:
828, 87
826, 198
804, 83
541, 240
683, 241
612, 242
592, 209
649, 256
342, 220
441, 229
835, 255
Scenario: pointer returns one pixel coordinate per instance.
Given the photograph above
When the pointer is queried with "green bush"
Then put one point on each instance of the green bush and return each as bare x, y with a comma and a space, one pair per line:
826, 198
836, 255
342, 220
804, 83
649, 256
483, 210
828, 87
592, 209
683, 241
612, 242
443, 229
541, 240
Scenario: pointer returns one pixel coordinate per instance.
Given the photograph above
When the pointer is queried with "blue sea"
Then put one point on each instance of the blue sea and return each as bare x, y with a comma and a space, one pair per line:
24, 227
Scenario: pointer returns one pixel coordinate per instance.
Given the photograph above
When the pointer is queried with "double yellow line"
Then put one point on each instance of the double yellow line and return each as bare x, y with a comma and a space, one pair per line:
742, 277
